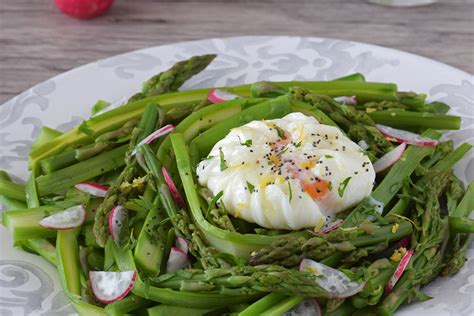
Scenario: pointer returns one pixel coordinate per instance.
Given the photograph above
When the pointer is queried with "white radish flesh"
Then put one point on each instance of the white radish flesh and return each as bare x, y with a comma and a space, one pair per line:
352, 100
336, 283
67, 219
93, 188
156, 134
109, 287
182, 244
117, 217
174, 191
177, 260
402, 136
399, 271
390, 158
308, 307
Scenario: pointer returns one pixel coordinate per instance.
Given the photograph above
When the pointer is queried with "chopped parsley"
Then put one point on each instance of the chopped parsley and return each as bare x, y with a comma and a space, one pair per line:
280, 132
328, 156
251, 187
223, 162
330, 186
298, 144
247, 143
343, 186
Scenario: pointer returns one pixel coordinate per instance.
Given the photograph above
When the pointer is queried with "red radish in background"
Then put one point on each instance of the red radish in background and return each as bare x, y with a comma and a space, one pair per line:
402, 136
83, 9
335, 282
93, 188
156, 134
218, 96
117, 218
174, 192
399, 271
67, 219
177, 260
109, 287
390, 158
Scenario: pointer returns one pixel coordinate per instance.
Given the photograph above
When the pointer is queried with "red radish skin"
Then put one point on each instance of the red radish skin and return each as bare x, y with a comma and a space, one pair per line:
156, 134
174, 192
390, 158
109, 287
182, 244
69, 218
177, 260
116, 219
83, 9
93, 188
402, 136
332, 226
335, 282
218, 96
399, 271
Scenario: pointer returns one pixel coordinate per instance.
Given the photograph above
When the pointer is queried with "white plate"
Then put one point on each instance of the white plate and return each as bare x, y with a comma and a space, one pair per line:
29, 285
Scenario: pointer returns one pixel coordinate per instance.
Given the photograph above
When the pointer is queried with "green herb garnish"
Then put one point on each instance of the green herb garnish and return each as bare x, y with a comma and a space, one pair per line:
290, 191
343, 186
223, 162
280, 132
251, 187
247, 143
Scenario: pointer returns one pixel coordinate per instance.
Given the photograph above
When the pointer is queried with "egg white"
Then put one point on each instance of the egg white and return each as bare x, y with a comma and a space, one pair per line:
271, 181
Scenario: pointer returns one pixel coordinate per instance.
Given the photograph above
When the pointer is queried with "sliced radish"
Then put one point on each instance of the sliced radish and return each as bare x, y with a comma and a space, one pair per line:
336, 283
308, 307
362, 144
390, 158
402, 136
399, 271
156, 134
67, 219
177, 260
182, 244
352, 100
109, 287
93, 188
332, 226
218, 96
405, 242
117, 218
177, 197
377, 204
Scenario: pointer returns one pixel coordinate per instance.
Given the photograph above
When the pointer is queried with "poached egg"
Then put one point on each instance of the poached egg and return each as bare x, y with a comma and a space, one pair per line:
288, 173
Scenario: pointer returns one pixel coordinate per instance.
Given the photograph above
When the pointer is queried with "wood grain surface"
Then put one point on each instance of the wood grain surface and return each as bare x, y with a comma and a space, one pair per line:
38, 42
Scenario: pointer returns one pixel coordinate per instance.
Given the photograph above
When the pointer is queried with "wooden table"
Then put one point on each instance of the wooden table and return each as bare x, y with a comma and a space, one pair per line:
38, 42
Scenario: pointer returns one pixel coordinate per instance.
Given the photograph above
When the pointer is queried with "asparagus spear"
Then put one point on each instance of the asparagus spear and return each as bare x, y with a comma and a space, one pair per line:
407, 119
12, 190
116, 193
244, 280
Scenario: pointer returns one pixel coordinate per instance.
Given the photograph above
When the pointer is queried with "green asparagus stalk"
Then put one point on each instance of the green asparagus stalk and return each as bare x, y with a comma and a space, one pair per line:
263, 304
244, 280
461, 224
62, 179
126, 305
115, 195
8, 202
283, 306
173, 78
407, 119
12, 190
165, 310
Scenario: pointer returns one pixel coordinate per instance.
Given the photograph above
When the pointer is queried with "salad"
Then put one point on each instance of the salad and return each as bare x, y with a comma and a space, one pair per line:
271, 198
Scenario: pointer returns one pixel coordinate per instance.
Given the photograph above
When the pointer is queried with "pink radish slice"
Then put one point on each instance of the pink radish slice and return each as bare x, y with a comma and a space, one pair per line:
390, 158
402, 136
174, 192
93, 188
405, 242
156, 134
352, 100
332, 226
218, 96
109, 287
336, 283
308, 307
399, 271
67, 219
118, 215
182, 244
177, 260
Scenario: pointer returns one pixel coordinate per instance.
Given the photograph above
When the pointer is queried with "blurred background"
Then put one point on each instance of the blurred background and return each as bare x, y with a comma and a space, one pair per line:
38, 41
